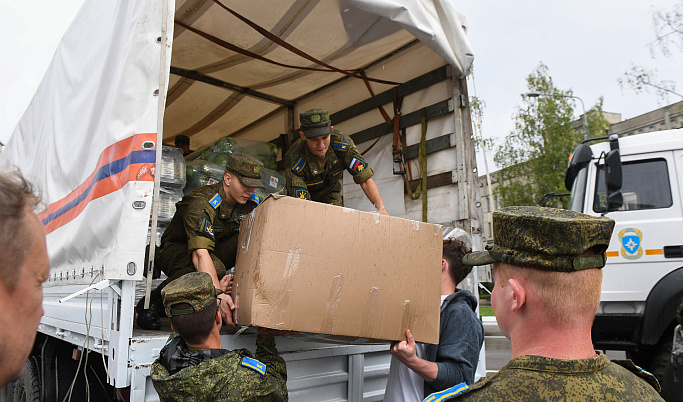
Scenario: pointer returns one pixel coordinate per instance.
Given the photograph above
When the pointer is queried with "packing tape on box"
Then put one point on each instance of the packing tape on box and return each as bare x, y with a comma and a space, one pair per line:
280, 306
333, 303
370, 312
409, 319
246, 238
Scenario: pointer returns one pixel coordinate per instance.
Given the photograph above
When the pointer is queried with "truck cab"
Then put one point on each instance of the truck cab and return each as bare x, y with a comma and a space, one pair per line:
636, 181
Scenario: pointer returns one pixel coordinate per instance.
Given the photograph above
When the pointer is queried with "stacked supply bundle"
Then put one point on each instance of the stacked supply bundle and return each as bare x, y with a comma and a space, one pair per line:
172, 179
207, 164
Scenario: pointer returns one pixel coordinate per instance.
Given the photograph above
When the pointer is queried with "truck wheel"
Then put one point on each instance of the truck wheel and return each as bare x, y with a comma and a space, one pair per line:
27, 387
662, 368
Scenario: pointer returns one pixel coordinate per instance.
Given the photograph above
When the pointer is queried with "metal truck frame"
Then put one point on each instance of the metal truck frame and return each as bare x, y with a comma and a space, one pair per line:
129, 75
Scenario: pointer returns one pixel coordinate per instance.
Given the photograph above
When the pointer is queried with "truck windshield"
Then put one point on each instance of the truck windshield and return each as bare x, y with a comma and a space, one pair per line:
646, 186
578, 193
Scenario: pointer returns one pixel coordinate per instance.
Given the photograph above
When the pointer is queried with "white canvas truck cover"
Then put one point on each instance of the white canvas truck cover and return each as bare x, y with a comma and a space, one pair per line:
89, 136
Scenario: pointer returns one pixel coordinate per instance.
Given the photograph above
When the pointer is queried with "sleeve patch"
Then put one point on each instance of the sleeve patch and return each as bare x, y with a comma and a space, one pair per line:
207, 227
215, 201
447, 393
299, 165
254, 197
356, 166
303, 194
254, 365
340, 146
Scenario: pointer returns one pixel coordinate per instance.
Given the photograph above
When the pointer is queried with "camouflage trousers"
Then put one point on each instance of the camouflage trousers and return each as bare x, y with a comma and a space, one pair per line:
175, 260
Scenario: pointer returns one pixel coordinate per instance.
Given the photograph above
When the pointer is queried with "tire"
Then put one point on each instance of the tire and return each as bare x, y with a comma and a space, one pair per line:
7, 392
27, 387
662, 368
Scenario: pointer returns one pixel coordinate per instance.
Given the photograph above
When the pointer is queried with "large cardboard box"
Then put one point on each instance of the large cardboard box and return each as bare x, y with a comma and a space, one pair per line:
312, 267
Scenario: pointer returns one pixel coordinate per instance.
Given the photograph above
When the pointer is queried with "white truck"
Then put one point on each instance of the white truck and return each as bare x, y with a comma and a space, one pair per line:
130, 75
638, 182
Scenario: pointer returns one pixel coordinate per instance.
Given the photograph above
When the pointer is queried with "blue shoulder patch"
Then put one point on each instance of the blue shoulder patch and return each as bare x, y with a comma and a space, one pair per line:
254, 365
254, 197
340, 146
215, 201
447, 393
299, 165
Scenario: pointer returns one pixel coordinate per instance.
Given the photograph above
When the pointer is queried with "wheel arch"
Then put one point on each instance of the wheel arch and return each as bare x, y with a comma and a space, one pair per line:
660, 307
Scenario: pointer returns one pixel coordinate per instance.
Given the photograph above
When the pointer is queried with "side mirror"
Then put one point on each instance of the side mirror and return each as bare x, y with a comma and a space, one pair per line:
613, 176
582, 155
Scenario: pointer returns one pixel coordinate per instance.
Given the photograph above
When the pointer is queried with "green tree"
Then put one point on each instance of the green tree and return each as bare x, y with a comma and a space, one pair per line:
533, 157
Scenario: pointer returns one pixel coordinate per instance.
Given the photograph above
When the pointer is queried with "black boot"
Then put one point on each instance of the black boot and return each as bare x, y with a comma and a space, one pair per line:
149, 319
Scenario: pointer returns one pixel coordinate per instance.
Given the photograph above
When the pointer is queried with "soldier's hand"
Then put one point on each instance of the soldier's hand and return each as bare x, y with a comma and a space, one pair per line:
226, 283
271, 333
227, 308
405, 351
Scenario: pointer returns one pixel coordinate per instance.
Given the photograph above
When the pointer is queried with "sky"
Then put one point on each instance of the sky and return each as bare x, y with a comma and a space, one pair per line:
586, 44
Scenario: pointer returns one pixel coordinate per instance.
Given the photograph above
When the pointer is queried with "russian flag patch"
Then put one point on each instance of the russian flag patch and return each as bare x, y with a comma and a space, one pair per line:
356, 165
254, 365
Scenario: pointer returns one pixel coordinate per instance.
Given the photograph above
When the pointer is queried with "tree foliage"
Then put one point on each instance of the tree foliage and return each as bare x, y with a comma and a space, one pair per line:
533, 157
668, 24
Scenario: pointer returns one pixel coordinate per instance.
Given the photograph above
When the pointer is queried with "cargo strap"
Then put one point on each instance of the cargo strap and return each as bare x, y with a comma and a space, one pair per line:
275, 39
422, 159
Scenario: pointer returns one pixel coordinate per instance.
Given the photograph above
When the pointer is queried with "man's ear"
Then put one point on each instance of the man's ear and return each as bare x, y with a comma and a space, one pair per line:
173, 328
219, 318
301, 134
226, 178
518, 294
444, 265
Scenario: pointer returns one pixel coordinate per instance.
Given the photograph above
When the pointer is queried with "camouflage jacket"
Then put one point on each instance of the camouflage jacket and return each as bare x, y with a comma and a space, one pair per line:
307, 179
203, 219
220, 375
537, 378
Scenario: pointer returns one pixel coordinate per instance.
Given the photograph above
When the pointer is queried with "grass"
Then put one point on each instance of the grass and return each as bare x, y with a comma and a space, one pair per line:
485, 311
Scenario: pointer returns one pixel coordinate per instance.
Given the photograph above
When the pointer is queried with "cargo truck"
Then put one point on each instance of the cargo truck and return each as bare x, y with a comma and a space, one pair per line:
636, 180
130, 75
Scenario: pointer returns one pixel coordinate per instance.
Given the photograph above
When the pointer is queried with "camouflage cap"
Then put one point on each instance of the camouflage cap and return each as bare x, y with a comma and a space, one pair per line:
315, 123
546, 238
247, 168
195, 289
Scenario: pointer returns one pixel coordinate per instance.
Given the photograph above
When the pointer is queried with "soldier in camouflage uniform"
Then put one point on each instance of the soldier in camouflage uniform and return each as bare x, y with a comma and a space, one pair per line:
547, 289
202, 235
315, 163
193, 366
